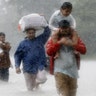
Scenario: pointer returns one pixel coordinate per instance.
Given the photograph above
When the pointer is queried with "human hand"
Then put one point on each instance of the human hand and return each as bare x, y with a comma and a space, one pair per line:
8, 46
1, 54
56, 55
18, 70
62, 41
76, 52
66, 41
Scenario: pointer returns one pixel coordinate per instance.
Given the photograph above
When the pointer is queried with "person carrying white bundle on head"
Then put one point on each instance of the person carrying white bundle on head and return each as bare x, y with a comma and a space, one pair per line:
32, 52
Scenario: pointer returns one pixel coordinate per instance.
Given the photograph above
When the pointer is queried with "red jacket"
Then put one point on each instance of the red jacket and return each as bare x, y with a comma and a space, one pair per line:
52, 48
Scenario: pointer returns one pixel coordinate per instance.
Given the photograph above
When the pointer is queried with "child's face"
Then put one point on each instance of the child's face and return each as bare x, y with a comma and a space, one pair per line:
31, 34
2, 38
66, 12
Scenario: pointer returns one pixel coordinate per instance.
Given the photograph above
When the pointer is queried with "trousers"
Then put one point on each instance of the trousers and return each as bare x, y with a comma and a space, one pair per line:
66, 85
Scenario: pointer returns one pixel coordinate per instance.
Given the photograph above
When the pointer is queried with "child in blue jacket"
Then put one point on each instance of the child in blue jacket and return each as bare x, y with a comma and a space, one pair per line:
31, 52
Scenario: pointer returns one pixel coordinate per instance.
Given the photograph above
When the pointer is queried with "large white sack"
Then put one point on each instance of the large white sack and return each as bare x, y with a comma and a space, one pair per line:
32, 21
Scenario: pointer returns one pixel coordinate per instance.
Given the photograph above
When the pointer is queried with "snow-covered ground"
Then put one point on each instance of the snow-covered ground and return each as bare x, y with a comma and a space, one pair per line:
86, 83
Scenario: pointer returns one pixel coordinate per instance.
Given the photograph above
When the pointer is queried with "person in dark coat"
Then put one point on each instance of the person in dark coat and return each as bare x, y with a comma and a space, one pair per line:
31, 52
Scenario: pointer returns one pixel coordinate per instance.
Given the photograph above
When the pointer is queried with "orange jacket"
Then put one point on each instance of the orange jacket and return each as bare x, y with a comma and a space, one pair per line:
52, 48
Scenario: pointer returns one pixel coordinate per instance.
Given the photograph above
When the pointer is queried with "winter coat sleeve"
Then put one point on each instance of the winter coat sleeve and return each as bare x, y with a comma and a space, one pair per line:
80, 47
18, 55
52, 48
44, 37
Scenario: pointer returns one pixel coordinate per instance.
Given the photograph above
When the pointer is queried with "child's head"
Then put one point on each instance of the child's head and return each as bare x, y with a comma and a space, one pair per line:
30, 32
66, 8
2, 36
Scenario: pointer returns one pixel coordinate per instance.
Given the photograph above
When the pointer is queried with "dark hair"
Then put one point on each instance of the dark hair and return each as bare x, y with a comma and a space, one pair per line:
27, 29
64, 24
2, 34
66, 5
